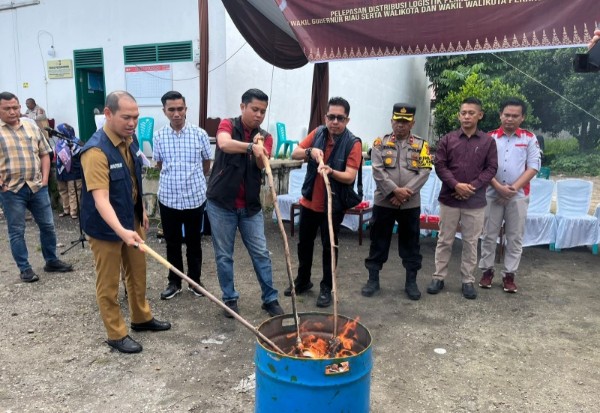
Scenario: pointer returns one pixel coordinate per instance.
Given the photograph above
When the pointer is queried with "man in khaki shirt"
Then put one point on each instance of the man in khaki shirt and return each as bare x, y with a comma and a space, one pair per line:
24, 171
401, 166
114, 218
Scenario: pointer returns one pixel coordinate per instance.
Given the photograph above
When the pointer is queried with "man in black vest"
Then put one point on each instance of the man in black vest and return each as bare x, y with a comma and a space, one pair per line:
234, 199
114, 218
341, 153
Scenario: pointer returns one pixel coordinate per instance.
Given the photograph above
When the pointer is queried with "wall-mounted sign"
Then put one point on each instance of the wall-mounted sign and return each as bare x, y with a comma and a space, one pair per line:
148, 83
25, 85
60, 69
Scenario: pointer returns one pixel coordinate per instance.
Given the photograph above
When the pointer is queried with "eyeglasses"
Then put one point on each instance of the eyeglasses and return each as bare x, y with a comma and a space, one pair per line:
339, 118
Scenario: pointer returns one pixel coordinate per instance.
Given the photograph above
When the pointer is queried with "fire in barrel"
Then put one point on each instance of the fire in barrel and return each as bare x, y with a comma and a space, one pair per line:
325, 375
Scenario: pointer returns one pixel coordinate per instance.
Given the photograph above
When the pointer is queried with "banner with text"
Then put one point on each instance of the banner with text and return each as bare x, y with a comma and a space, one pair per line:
359, 29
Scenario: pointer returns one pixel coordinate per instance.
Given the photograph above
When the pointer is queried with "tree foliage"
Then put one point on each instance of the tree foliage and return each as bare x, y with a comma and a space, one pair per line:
559, 97
490, 92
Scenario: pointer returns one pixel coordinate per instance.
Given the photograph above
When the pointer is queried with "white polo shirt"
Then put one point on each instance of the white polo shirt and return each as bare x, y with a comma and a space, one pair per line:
516, 153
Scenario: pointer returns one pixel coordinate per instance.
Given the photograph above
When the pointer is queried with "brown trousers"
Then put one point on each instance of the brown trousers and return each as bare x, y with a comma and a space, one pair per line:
70, 195
109, 256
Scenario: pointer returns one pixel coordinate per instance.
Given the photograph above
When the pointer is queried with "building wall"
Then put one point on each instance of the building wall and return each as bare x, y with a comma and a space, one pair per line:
371, 86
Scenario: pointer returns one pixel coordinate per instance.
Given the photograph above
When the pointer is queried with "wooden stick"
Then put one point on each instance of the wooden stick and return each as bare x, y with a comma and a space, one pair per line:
198, 287
333, 247
286, 248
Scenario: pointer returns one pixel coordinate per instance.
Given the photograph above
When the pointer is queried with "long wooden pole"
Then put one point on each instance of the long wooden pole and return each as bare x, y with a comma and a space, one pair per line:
198, 287
286, 248
333, 247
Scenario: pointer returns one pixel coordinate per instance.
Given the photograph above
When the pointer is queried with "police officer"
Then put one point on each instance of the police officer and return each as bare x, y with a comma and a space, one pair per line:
401, 166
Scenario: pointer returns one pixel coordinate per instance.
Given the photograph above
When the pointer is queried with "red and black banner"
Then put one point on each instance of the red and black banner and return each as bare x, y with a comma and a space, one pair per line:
358, 29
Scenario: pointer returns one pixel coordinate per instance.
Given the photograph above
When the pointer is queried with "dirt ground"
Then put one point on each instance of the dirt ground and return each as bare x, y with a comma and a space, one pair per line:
535, 351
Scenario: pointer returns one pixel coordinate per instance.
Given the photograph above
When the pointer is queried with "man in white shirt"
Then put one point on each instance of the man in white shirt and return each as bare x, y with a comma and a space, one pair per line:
182, 153
508, 195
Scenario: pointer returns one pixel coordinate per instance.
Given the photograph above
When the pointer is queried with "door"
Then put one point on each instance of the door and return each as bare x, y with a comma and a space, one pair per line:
90, 90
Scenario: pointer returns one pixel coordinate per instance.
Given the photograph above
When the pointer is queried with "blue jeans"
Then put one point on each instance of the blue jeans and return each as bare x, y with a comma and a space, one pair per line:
14, 211
252, 229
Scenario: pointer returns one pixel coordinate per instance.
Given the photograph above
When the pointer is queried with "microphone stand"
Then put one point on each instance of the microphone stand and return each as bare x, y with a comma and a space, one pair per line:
81, 238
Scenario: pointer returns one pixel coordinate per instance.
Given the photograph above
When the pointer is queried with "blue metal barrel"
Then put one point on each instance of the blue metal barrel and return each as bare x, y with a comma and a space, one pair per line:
291, 384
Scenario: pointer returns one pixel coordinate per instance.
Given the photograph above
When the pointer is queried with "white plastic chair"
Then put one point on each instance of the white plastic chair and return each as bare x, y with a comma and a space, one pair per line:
352, 221
540, 224
295, 181
574, 226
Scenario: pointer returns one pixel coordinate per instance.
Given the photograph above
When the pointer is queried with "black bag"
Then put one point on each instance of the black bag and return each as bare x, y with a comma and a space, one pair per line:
349, 199
205, 228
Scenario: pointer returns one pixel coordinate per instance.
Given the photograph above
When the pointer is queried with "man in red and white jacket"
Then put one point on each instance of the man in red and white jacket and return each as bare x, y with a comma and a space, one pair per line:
508, 195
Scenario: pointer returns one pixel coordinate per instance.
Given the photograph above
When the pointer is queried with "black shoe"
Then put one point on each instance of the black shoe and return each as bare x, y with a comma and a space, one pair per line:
468, 291
370, 288
171, 291
193, 290
152, 325
28, 276
125, 345
273, 308
324, 299
412, 290
435, 286
232, 304
57, 266
300, 289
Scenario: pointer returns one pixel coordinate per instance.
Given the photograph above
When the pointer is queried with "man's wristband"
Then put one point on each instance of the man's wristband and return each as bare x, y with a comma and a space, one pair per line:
249, 148
307, 152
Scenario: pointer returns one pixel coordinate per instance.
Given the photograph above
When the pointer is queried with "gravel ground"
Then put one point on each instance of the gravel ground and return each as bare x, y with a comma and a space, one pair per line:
534, 351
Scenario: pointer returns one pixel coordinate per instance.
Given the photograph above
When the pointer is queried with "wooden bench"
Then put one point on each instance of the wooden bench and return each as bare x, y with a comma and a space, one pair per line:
361, 212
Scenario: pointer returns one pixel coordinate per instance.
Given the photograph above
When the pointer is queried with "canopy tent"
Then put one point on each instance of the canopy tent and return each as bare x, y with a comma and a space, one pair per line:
289, 34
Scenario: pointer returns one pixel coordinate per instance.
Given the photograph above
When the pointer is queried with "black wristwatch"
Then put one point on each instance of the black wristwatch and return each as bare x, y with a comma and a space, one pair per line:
249, 148
307, 152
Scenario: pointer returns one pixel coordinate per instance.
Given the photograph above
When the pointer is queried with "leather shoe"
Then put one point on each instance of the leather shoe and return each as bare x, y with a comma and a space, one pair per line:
300, 288
435, 286
324, 299
125, 345
468, 291
273, 308
152, 325
232, 304
28, 276
57, 266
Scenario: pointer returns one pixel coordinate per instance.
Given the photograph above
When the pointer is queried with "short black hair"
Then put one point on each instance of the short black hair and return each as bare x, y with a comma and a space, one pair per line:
112, 100
252, 94
514, 102
8, 96
171, 95
472, 101
338, 101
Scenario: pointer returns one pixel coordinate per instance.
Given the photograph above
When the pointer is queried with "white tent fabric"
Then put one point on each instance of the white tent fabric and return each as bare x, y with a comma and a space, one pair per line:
540, 224
285, 201
351, 221
574, 226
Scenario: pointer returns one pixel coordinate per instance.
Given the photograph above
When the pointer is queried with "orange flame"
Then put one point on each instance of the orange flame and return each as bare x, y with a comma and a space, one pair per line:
316, 347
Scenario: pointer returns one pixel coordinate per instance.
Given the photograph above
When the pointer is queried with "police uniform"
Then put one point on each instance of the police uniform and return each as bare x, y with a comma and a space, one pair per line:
396, 163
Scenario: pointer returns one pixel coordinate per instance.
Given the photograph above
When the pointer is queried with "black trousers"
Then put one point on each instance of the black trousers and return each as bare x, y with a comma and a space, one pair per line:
310, 223
409, 246
172, 221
